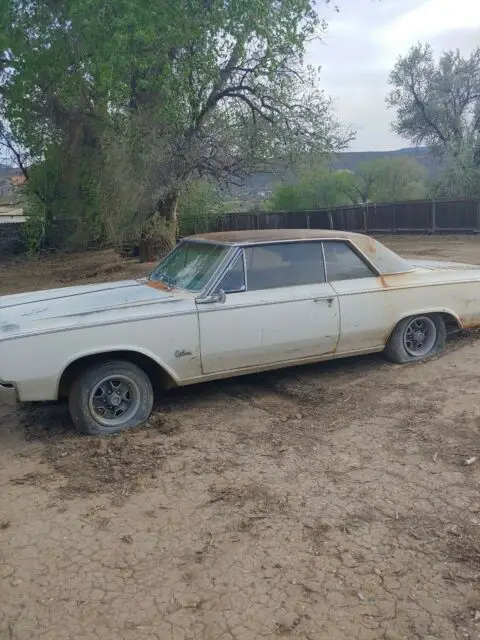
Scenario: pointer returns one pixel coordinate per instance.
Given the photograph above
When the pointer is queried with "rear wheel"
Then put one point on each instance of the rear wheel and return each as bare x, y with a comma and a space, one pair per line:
110, 397
417, 338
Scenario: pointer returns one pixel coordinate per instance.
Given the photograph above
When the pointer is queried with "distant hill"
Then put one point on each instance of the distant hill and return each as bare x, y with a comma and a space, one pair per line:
351, 159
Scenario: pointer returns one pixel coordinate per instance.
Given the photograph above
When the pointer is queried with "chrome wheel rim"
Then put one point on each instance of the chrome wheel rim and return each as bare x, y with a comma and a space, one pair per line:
114, 400
419, 336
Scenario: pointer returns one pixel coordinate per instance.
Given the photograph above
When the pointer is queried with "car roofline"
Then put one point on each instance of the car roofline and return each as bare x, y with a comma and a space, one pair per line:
247, 243
267, 236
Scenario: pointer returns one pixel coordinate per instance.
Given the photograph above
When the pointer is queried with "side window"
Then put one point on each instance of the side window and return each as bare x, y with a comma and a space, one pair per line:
343, 263
284, 265
234, 281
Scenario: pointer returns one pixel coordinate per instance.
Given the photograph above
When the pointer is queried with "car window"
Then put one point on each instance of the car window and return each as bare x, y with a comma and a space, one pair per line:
284, 265
343, 263
234, 281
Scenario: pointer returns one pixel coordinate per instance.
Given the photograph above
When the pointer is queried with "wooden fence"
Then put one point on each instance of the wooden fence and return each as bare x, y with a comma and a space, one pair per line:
422, 216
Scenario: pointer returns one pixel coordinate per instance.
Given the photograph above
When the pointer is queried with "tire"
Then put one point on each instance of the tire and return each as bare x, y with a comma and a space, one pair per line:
110, 397
416, 338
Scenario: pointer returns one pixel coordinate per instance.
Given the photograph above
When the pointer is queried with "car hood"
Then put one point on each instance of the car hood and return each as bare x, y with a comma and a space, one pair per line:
71, 307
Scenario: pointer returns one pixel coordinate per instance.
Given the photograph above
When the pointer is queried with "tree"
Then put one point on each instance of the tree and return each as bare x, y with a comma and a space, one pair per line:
389, 180
438, 104
146, 97
314, 188
380, 180
459, 176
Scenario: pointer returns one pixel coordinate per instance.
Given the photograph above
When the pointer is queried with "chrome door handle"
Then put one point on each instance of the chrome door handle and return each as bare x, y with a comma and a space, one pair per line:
329, 300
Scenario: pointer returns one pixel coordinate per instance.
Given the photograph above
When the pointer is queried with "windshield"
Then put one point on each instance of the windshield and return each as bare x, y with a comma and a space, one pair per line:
190, 266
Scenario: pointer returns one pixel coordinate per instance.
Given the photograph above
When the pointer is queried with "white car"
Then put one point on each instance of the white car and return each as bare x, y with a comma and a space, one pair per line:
221, 305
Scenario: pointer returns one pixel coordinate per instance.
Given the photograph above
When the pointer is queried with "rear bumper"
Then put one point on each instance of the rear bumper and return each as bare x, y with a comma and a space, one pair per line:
8, 394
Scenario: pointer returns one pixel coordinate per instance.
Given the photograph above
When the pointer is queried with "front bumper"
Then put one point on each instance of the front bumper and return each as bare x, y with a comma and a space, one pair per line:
8, 394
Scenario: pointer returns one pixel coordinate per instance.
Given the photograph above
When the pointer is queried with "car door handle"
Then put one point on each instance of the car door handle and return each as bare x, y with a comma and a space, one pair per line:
329, 300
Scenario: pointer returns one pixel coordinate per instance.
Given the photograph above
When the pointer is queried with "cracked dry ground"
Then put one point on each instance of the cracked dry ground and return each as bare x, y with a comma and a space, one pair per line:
329, 502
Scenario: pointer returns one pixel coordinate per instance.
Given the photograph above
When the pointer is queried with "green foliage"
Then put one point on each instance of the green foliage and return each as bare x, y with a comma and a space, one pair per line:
438, 104
64, 202
389, 180
314, 188
199, 198
459, 177
382, 180
199, 207
34, 228
120, 104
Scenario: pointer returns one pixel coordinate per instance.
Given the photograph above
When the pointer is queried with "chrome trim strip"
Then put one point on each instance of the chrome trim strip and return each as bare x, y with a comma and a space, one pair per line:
221, 268
281, 364
43, 332
325, 272
401, 287
221, 272
108, 287
265, 303
245, 277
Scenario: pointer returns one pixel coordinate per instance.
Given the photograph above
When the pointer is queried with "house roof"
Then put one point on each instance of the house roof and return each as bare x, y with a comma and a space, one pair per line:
11, 211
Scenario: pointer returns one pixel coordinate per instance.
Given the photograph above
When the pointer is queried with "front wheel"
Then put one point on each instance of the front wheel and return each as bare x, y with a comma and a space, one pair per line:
110, 397
417, 338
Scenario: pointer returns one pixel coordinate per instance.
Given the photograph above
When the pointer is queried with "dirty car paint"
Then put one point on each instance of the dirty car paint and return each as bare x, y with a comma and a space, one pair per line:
250, 331
26, 313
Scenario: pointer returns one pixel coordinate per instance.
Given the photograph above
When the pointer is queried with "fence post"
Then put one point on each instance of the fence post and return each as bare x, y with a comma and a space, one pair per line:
307, 221
434, 217
330, 219
365, 218
477, 225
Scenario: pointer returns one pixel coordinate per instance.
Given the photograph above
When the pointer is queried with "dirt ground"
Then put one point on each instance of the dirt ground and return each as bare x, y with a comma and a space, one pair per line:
328, 502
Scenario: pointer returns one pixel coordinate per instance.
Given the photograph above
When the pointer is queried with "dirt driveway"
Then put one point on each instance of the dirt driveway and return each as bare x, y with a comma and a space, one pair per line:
329, 502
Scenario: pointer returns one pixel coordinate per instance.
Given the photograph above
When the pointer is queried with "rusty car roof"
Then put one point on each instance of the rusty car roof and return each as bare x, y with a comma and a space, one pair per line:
272, 235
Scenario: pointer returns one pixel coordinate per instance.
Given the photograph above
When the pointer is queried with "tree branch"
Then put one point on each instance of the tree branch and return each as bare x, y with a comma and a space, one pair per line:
7, 143
421, 105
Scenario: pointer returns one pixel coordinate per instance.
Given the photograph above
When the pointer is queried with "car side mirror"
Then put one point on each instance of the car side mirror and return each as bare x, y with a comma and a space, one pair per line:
219, 296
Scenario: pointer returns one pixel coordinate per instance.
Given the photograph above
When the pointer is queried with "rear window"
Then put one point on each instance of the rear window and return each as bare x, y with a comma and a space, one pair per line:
343, 263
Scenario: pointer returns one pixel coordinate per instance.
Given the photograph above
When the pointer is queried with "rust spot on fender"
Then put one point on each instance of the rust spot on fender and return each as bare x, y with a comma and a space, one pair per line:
396, 279
156, 284
472, 325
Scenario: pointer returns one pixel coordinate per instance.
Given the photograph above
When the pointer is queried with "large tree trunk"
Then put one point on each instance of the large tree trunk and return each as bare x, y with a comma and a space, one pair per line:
147, 250
154, 245
167, 207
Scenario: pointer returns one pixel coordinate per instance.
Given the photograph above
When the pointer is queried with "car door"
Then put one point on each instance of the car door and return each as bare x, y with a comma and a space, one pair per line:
278, 308
367, 308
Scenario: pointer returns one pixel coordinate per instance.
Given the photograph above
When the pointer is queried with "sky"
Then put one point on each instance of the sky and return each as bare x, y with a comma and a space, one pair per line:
360, 48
